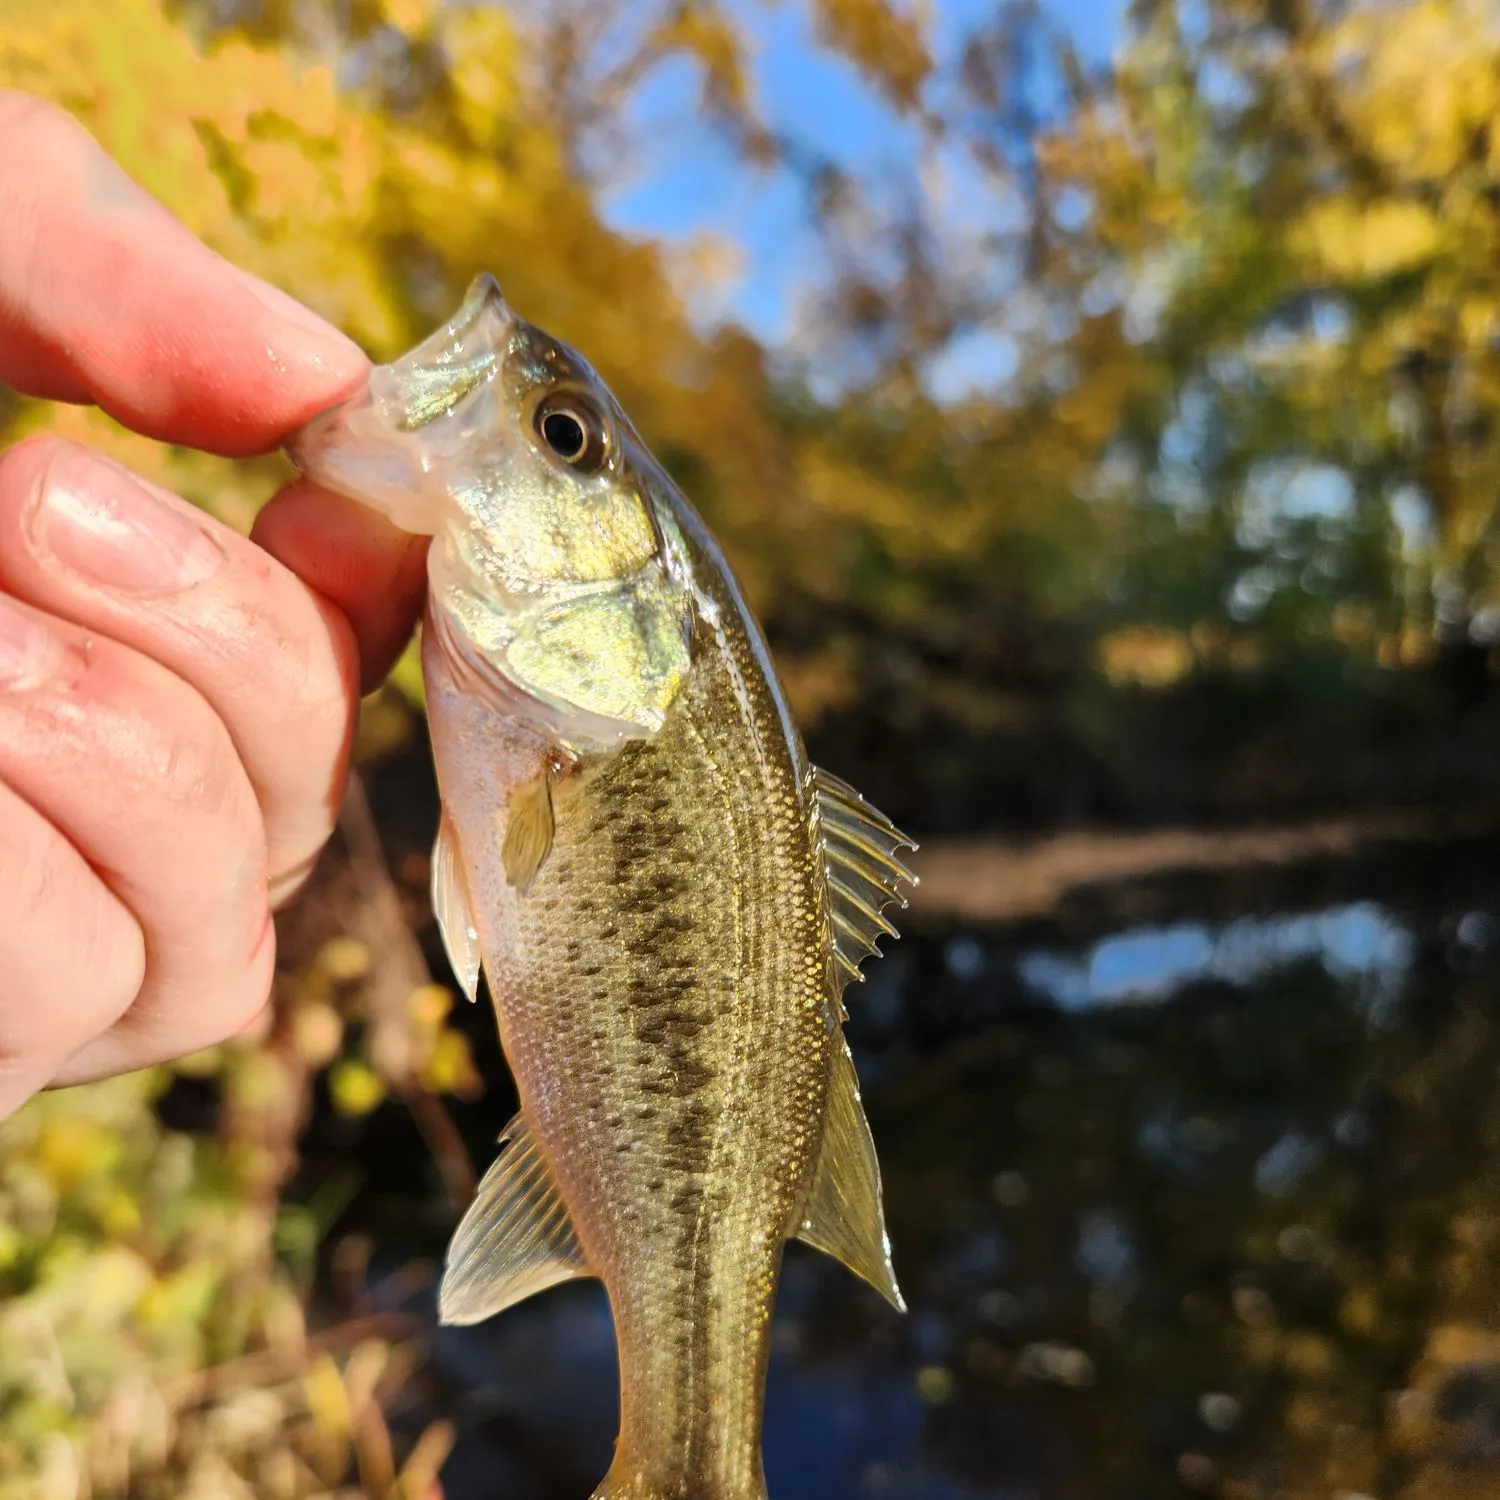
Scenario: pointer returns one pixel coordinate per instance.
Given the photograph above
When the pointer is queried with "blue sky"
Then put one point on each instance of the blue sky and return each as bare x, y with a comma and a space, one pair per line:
693, 183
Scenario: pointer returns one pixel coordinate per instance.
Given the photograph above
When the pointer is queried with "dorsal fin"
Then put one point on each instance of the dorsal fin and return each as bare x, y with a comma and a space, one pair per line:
845, 1217
515, 1240
864, 875
453, 910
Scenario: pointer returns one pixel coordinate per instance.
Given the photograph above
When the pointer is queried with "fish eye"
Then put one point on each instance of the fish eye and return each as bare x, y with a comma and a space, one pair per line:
572, 429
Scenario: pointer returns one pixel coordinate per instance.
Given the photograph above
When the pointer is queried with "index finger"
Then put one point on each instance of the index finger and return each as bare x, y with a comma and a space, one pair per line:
105, 297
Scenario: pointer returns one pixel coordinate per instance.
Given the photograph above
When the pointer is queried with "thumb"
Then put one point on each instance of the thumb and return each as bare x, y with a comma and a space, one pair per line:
357, 560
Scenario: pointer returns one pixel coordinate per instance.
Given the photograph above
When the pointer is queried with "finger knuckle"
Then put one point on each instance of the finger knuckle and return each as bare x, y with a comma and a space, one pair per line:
260, 974
320, 674
194, 766
113, 955
206, 989
32, 886
299, 766
29, 123
244, 989
105, 949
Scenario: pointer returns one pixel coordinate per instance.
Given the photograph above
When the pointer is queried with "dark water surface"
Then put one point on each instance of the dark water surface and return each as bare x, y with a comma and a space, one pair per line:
1192, 1189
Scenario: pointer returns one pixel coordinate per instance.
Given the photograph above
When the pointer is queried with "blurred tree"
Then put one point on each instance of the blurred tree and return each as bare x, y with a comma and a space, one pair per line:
1269, 242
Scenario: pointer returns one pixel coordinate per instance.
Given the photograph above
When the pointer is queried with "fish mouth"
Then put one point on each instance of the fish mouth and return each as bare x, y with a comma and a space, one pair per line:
386, 445
350, 449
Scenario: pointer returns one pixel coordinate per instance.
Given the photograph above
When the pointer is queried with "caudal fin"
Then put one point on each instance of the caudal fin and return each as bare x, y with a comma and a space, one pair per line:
620, 1485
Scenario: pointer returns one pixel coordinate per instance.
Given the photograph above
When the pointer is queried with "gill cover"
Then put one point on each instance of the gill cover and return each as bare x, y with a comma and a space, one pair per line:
552, 565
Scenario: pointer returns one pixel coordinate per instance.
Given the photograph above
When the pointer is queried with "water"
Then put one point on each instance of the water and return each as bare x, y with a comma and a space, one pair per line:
1199, 1203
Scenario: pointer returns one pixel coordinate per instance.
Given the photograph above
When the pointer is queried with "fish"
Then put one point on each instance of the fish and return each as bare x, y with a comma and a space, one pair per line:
665, 898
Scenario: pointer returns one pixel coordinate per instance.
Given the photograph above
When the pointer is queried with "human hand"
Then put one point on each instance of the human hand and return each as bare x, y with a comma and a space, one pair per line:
175, 703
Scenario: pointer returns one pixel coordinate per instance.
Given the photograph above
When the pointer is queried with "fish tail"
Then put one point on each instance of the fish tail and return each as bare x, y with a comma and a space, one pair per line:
622, 1484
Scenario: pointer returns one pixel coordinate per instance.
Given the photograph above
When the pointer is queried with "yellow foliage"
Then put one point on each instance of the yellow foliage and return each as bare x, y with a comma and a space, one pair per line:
885, 42
1479, 322
182, 1298
1342, 239
481, 42
1418, 82
12, 1245
1092, 411
912, 532
118, 1214
819, 682
105, 1284
327, 1396
1145, 656
258, 1081
1353, 625
330, 178
317, 1034
355, 1087
934, 1384
707, 34
344, 959
71, 1148
409, 15
429, 1006
449, 1067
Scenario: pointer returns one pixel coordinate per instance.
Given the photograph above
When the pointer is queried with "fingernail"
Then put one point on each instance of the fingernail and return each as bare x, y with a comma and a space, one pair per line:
102, 523
292, 311
29, 652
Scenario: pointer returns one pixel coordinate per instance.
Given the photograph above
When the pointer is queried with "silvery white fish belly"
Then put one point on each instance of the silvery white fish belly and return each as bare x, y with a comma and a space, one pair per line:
665, 898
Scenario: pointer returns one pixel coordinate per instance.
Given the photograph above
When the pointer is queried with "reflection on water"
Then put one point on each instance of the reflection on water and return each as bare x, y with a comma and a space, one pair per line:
1239, 1241
1361, 940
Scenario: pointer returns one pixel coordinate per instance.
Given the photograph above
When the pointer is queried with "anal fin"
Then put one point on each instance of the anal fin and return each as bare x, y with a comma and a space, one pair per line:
453, 909
845, 1216
515, 1240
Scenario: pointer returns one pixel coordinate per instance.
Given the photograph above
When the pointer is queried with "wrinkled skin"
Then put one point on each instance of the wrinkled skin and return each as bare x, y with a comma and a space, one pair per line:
175, 699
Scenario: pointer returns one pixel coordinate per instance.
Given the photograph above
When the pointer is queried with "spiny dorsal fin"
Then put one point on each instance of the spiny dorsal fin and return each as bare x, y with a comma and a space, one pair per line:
864, 875
515, 1240
528, 831
451, 907
845, 1217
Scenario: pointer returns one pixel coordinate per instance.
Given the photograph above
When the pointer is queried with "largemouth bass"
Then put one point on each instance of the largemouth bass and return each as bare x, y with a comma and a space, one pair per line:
666, 899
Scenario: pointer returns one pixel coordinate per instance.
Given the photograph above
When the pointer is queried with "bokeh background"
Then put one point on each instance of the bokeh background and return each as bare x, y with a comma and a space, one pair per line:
1099, 404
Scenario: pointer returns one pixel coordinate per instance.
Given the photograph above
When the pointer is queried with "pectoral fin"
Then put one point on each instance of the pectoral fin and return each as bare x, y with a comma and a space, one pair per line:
515, 1240
453, 910
845, 1217
528, 831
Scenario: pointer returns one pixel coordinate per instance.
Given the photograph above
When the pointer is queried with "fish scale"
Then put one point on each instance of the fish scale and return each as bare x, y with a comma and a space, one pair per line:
680, 989
666, 899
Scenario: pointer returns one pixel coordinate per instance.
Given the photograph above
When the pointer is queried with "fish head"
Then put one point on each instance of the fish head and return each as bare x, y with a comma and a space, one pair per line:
557, 573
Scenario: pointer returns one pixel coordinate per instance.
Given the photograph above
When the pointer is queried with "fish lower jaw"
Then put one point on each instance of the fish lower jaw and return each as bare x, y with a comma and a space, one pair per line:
351, 450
